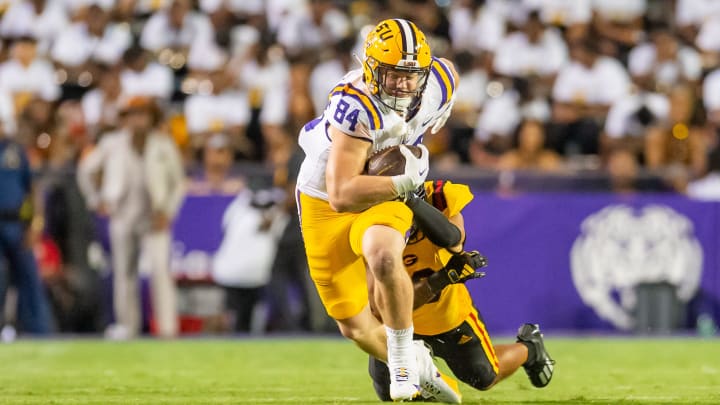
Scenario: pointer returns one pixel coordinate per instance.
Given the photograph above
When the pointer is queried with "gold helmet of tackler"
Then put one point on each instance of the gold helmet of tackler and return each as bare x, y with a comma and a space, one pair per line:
396, 45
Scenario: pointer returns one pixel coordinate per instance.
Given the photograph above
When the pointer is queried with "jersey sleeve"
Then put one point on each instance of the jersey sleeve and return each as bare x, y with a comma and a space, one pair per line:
353, 112
448, 197
442, 82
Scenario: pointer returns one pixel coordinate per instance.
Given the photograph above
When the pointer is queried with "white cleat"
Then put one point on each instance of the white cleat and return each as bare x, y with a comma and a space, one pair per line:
8, 334
401, 386
117, 332
434, 384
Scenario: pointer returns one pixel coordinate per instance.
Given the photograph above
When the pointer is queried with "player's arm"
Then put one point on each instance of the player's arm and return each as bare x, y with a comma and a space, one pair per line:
350, 190
441, 231
462, 267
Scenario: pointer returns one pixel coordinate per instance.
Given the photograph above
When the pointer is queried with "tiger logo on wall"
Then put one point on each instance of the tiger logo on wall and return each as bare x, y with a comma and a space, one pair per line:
620, 248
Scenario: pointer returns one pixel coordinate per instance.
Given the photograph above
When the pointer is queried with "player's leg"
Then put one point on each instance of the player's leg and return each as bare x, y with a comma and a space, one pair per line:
378, 235
366, 331
469, 354
511, 357
434, 384
382, 248
539, 366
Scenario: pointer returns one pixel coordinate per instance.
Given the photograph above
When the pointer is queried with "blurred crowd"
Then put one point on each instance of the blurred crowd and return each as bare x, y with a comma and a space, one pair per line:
629, 88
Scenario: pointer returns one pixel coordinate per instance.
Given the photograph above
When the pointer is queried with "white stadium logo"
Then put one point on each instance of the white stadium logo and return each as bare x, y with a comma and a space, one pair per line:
617, 250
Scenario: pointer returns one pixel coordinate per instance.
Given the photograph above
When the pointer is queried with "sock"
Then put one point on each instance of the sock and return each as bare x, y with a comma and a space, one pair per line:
532, 353
400, 345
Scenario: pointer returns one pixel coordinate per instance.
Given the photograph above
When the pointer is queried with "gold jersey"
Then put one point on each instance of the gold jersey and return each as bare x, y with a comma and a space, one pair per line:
453, 304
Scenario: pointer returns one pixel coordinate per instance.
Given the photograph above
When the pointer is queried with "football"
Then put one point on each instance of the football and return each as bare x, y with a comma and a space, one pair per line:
389, 161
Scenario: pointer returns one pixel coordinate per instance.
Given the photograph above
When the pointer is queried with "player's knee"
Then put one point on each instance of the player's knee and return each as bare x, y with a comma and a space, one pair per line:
352, 332
480, 377
381, 262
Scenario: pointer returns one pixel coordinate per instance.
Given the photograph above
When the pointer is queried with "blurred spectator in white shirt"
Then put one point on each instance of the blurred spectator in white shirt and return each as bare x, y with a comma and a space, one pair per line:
41, 19
140, 77
620, 21
708, 40
496, 124
574, 15
241, 8
266, 78
145, 7
532, 51
100, 105
629, 119
663, 61
25, 75
141, 188
691, 14
252, 224
224, 109
582, 94
307, 31
469, 98
76, 6
581, 79
711, 97
707, 188
176, 28
91, 40
476, 28
335, 64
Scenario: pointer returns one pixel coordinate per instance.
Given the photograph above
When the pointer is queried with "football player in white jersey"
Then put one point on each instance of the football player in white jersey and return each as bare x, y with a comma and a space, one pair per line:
353, 223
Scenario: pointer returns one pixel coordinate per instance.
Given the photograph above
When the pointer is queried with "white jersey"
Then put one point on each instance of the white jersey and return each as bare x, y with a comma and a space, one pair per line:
355, 112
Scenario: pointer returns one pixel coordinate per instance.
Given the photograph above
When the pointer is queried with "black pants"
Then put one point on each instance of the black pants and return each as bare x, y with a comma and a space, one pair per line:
241, 301
462, 350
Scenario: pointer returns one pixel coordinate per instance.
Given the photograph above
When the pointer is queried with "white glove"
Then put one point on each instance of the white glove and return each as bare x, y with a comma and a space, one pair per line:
443, 118
416, 170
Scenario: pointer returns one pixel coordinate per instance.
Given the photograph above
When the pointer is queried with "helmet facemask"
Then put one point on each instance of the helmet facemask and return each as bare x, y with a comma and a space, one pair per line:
400, 88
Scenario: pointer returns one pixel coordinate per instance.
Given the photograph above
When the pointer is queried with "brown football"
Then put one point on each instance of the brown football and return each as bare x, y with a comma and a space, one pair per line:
389, 161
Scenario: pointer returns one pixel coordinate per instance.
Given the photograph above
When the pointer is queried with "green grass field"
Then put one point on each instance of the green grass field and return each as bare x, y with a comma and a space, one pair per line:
333, 371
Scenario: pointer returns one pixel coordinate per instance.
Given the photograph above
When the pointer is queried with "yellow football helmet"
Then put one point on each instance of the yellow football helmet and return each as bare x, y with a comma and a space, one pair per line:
397, 63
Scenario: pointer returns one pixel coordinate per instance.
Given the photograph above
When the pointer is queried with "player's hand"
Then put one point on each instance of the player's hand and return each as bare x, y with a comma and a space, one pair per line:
416, 170
443, 118
459, 269
462, 266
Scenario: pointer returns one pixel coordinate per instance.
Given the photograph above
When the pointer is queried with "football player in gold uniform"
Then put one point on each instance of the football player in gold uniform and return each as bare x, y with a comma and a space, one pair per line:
445, 317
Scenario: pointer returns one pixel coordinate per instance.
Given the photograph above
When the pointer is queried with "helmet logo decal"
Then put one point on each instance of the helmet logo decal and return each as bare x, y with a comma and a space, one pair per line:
384, 31
408, 63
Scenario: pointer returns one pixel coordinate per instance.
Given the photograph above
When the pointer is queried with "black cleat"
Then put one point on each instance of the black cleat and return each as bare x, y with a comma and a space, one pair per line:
540, 369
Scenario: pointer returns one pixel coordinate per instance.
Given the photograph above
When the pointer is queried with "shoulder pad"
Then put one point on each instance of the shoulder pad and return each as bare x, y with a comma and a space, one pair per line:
445, 80
349, 106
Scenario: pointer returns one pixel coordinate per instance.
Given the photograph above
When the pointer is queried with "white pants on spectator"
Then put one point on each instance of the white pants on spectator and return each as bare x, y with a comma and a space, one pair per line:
126, 244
